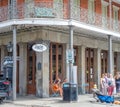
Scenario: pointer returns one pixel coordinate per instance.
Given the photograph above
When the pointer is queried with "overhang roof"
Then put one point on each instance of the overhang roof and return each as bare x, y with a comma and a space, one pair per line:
57, 22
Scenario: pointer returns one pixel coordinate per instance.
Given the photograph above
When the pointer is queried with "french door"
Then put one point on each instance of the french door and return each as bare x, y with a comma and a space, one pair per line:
89, 69
56, 62
17, 79
75, 56
31, 70
104, 61
115, 62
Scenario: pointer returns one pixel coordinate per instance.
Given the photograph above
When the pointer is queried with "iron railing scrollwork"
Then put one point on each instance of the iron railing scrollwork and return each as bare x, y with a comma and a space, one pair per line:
57, 10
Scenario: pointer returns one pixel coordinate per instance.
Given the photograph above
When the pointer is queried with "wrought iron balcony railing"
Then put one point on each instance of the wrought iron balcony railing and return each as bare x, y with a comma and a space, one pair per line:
58, 11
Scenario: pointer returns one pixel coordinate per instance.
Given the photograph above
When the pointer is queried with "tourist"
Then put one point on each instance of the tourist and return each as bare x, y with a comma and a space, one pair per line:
111, 84
117, 81
103, 84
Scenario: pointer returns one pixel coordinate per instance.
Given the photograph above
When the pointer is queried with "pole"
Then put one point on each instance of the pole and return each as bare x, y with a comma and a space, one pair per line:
110, 54
13, 9
14, 15
70, 41
110, 40
71, 49
14, 63
110, 12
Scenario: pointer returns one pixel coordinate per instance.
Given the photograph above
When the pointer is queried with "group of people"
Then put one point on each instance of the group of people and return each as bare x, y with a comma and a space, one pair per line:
110, 84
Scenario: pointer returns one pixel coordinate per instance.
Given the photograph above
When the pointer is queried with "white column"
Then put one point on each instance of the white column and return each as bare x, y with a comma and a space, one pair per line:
82, 65
22, 68
97, 66
42, 73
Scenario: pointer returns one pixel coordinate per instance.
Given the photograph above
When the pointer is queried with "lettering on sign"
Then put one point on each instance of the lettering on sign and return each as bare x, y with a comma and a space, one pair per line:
39, 47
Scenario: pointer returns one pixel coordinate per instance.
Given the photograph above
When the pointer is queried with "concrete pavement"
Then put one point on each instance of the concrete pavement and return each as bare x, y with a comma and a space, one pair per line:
31, 101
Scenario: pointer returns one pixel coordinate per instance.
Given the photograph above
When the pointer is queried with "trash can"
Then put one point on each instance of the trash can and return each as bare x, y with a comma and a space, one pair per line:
70, 92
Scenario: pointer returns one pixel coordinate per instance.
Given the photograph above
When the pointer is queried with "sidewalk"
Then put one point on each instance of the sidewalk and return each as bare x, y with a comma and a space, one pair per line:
83, 101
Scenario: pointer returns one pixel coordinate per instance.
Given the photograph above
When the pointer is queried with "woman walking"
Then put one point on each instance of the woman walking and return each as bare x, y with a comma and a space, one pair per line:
111, 84
104, 85
117, 81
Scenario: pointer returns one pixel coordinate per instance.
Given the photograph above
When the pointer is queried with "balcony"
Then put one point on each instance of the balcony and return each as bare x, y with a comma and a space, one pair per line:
51, 10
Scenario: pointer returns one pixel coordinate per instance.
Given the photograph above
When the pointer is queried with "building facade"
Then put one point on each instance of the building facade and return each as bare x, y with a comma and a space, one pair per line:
48, 22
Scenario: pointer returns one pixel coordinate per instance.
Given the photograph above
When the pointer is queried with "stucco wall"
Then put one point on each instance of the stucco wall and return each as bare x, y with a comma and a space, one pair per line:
60, 36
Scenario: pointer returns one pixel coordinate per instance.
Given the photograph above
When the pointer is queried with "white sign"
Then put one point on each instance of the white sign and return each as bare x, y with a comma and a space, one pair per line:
39, 47
70, 56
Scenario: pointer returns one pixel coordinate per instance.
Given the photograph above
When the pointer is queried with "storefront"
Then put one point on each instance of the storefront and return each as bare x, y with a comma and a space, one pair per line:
36, 71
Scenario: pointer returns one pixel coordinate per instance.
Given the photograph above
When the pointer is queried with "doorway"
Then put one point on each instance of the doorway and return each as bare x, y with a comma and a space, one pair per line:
89, 69
17, 77
75, 56
56, 62
31, 70
115, 62
104, 61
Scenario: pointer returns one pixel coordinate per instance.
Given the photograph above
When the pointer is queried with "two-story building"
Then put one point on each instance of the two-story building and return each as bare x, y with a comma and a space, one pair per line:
95, 25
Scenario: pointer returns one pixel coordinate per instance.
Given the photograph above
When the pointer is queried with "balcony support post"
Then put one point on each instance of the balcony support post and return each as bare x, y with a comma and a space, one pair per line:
13, 9
110, 68
110, 12
14, 64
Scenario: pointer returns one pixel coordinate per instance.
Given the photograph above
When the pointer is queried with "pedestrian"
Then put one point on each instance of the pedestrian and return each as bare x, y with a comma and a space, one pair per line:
111, 84
117, 81
103, 84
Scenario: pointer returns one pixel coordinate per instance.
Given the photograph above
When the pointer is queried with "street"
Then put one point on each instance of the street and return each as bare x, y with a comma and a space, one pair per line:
11, 105
83, 101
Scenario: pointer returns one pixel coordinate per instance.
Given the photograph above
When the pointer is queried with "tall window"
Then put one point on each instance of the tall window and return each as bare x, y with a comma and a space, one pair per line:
104, 13
115, 17
91, 13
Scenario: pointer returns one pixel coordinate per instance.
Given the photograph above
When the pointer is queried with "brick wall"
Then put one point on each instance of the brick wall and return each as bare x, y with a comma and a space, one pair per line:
3, 2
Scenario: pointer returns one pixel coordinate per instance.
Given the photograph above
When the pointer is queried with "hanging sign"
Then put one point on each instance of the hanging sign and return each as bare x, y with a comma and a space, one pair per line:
39, 47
